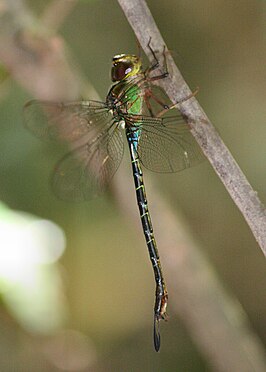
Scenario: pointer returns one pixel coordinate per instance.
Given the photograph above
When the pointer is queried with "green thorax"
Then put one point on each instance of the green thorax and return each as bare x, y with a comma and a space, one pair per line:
128, 90
129, 95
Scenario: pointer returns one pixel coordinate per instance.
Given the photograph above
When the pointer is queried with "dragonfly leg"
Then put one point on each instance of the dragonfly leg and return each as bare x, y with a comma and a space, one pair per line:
155, 65
148, 104
174, 105
147, 96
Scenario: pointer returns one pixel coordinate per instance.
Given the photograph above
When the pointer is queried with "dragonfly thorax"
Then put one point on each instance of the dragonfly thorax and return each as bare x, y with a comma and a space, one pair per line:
125, 66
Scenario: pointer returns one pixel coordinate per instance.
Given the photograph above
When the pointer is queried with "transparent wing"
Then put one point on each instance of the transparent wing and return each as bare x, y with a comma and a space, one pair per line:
65, 121
85, 171
93, 136
166, 145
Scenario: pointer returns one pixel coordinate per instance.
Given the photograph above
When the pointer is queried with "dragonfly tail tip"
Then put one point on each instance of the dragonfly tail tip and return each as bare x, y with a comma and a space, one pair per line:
156, 335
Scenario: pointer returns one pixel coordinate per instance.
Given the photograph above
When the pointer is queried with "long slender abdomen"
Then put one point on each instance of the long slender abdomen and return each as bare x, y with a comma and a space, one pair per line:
161, 292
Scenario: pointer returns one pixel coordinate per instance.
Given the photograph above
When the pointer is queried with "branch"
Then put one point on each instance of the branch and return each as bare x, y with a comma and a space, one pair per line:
219, 156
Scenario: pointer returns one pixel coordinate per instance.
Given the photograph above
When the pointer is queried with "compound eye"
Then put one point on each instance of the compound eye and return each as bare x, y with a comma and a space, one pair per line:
120, 70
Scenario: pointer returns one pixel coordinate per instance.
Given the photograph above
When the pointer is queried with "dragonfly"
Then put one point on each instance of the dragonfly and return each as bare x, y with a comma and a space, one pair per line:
94, 131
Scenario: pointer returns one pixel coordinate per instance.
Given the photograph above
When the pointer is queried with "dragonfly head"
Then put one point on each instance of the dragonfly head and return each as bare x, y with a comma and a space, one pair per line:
125, 66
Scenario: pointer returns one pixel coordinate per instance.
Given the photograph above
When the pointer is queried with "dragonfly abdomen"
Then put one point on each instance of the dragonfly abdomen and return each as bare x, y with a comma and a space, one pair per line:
161, 291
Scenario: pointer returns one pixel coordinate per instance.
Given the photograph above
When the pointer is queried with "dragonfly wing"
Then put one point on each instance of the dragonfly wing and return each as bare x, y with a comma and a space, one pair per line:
64, 121
84, 172
95, 140
166, 144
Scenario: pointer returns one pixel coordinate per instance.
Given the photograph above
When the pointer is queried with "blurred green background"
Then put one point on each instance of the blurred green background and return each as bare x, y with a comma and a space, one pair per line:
221, 47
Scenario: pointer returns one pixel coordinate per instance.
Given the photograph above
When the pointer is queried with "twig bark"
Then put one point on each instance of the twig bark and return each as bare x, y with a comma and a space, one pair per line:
219, 156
